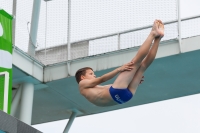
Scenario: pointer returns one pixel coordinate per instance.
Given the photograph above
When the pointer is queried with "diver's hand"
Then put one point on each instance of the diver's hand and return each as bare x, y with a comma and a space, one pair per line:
126, 67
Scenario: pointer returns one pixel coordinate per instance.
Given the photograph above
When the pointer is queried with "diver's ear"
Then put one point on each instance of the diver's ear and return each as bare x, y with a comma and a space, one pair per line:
82, 77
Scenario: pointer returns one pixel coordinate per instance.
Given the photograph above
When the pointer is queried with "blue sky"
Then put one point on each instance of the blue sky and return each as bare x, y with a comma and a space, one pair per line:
180, 115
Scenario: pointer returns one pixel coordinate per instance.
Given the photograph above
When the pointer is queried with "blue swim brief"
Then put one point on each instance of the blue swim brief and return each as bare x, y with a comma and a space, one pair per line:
120, 95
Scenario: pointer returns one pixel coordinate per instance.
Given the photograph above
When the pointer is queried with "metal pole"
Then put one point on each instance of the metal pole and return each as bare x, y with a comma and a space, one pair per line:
34, 27
69, 68
118, 41
45, 51
26, 103
69, 31
46, 36
16, 100
71, 119
179, 25
14, 20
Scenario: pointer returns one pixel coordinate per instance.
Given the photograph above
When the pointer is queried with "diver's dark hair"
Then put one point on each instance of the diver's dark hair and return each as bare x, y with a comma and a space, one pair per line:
80, 72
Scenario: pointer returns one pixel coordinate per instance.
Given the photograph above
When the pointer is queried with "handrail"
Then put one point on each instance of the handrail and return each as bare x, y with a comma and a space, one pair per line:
126, 31
136, 29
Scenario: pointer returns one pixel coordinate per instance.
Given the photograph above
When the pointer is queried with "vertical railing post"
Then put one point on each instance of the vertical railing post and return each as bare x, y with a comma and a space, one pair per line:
14, 20
45, 53
69, 31
118, 36
179, 24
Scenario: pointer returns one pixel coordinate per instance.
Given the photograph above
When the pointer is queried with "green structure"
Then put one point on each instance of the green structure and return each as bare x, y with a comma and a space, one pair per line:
5, 61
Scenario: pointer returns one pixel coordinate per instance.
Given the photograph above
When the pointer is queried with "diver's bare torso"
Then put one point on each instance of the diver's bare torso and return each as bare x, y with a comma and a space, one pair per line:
98, 95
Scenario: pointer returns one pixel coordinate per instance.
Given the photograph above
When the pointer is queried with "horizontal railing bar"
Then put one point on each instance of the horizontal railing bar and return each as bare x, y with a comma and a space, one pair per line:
107, 53
135, 29
123, 32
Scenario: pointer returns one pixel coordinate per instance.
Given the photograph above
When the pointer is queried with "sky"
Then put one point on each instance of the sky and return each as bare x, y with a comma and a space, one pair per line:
180, 115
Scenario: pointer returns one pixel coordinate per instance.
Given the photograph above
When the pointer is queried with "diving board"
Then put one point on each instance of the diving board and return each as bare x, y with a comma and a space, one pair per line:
56, 93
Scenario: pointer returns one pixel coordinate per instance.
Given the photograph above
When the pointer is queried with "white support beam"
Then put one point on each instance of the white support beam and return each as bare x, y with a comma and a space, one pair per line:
33, 67
16, 100
34, 27
26, 103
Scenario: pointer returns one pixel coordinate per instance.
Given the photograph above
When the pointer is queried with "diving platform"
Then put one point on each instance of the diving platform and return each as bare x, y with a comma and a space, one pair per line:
174, 73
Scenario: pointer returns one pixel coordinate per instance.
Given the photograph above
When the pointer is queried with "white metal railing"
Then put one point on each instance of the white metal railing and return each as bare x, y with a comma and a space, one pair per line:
135, 29
128, 31
118, 39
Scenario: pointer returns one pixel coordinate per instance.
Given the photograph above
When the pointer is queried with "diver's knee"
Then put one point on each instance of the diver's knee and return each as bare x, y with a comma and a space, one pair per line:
143, 66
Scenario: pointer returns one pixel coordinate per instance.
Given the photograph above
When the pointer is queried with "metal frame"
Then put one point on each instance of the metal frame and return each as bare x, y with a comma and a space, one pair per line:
6, 84
35, 19
131, 30
119, 34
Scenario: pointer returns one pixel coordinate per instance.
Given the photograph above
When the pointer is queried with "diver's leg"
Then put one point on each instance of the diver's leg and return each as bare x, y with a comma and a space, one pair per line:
124, 78
146, 62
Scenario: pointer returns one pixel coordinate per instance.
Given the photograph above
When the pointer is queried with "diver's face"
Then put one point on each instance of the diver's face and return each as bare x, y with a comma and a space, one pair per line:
89, 74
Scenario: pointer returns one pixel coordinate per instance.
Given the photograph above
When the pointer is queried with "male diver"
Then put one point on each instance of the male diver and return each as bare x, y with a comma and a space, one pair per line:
130, 74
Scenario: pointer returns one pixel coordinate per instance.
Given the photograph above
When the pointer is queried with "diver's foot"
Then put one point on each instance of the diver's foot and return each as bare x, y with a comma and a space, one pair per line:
158, 29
